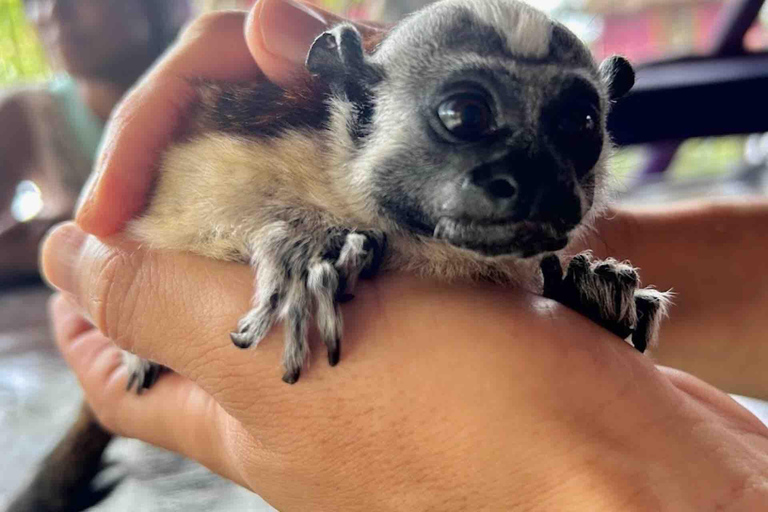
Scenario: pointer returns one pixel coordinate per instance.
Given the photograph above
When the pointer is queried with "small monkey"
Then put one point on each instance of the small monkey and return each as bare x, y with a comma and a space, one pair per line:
467, 143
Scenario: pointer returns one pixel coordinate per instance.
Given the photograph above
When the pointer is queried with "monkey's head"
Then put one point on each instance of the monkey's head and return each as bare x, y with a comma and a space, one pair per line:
478, 122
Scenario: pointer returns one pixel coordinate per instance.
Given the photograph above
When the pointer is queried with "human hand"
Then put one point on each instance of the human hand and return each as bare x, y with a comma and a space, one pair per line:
706, 251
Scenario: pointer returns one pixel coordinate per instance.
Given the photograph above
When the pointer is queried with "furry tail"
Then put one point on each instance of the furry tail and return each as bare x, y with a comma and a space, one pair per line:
63, 481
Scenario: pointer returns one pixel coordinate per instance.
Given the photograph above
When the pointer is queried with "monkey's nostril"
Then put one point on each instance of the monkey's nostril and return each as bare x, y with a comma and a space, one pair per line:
501, 189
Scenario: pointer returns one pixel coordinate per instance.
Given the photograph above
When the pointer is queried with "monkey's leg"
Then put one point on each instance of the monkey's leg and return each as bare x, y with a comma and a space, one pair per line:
360, 256
300, 273
63, 482
608, 293
348, 256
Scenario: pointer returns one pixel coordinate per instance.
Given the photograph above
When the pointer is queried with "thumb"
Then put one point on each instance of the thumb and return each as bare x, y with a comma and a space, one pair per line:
134, 296
279, 34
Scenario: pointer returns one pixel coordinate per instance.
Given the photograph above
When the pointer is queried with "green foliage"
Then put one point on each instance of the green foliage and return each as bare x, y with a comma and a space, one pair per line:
714, 156
341, 6
21, 57
696, 158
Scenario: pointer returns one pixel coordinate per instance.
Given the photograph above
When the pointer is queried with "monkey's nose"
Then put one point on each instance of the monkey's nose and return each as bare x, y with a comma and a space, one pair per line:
501, 188
558, 206
491, 193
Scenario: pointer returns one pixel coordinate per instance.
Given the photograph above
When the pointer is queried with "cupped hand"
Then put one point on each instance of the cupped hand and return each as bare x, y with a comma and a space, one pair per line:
446, 397
268, 43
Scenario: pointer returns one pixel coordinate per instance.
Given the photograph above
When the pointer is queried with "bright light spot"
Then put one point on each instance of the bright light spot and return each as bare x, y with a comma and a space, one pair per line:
545, 5
28, 201
587, 27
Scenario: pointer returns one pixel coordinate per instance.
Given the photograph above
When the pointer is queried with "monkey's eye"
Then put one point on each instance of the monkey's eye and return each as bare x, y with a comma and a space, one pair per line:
580, 120
467, 116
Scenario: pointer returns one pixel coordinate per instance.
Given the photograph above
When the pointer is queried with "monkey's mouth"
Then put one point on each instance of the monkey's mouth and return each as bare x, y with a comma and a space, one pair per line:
522, 239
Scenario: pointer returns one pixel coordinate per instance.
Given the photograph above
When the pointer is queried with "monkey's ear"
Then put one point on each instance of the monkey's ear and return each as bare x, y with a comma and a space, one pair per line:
618, 75
337, 54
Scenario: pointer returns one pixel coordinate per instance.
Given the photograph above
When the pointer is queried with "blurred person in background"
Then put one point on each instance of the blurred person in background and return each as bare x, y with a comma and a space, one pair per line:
49, 134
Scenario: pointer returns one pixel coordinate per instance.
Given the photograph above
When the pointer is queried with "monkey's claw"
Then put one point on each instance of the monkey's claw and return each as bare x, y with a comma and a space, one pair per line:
608, 292
299, 277
142, 374
292, 377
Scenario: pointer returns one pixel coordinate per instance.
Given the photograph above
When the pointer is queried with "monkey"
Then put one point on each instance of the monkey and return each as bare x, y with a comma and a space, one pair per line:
470, 141
466, 143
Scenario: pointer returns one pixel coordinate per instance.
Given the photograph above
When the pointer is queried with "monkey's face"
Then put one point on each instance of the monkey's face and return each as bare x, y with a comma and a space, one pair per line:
500, 161
486, 145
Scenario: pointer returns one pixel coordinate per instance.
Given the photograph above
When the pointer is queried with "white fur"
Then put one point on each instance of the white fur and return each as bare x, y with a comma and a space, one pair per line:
665, 302
527, 30
327, 314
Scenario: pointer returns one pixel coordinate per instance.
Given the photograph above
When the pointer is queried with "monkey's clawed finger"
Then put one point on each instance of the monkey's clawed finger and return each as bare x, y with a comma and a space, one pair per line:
301, 277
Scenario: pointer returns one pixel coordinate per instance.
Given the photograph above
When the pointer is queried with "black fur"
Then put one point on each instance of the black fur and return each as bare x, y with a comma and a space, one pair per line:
648, 307
264, 109
291, 257
337, 57
468, 34
566, 49
608, 282
144, 377
617, 72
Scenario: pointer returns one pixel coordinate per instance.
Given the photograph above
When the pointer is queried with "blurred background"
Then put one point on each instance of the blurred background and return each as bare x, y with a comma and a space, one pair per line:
693, 128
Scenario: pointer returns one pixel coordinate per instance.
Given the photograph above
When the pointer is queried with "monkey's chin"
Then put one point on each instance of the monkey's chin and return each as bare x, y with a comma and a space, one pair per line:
519, 239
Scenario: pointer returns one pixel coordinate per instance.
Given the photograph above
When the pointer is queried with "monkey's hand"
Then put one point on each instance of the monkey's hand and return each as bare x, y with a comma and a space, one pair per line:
300, 273
608, 292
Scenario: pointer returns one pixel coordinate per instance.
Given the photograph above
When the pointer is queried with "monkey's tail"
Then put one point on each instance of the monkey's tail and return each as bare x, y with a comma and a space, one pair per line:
63, 482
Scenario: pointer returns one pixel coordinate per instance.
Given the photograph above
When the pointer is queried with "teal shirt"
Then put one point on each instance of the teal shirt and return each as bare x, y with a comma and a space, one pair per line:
87, 128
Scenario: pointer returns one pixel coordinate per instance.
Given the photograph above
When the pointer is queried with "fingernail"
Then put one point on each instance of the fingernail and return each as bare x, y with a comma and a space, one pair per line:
59, 255
289, 28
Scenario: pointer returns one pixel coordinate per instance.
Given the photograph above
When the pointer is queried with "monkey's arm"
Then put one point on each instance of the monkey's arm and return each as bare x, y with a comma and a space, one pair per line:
713, 256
